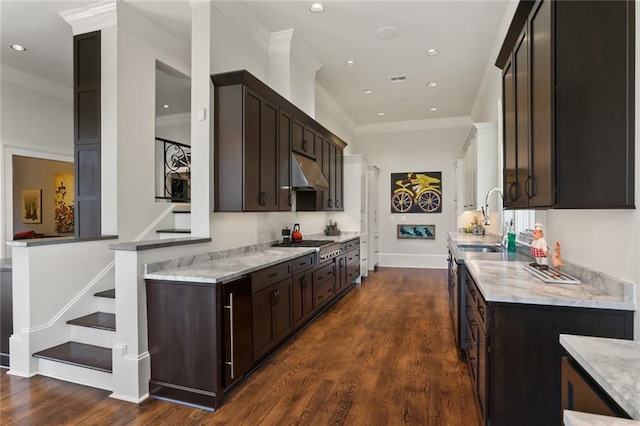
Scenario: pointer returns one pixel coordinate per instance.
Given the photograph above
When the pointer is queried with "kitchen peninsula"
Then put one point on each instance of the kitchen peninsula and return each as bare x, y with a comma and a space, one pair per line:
216, 317
510, 323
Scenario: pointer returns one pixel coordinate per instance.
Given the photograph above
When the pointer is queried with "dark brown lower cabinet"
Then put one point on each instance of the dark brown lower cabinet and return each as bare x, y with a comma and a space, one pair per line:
237, 329
184, 325
272, 319
517, 373
302, 297
581, 393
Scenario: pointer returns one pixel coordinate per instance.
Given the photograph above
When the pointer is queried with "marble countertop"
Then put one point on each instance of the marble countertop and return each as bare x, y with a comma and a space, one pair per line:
227, 268
576, 418
510, 282
612, 363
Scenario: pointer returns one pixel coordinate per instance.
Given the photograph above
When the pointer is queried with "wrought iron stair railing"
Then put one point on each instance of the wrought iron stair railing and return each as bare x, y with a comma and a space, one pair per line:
176, 171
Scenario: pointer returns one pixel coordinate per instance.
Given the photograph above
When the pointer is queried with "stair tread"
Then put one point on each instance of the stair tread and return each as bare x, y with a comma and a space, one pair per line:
181, 211
101, 320
111, 294
81, 355
176, 230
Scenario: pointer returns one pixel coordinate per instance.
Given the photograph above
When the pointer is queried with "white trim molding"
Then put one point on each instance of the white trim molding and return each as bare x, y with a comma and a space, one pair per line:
413, 125
92, 17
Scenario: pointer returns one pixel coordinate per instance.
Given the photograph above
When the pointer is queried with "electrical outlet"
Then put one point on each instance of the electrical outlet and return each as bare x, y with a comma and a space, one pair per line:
392, 218
403, 218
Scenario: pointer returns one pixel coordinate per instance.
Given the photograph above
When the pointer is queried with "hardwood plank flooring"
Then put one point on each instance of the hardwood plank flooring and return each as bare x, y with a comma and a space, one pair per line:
382, 355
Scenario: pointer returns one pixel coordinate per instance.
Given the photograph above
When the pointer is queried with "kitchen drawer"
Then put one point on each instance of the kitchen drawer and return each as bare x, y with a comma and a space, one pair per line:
323, 294
353, 272
325, 274
304, 262
265, 277
353, 256
352, 244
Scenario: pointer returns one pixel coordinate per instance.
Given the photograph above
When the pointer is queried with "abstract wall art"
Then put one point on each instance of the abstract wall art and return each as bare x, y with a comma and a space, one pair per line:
64, 203
416, 192
32, 206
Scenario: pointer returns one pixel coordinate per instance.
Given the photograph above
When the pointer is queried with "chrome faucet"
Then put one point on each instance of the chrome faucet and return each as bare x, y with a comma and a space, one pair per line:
485, 209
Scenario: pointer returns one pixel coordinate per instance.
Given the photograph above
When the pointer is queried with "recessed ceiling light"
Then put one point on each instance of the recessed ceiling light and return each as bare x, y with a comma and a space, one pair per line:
316, 8
166, 106
350, 63
432, 84
18, 47
431, 52
387, 33
433, 109
367, 91
381, 113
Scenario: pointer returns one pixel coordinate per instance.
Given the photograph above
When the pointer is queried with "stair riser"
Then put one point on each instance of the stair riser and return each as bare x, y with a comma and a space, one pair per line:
93, 336
182, 221
169, 235
73, 374
106, 305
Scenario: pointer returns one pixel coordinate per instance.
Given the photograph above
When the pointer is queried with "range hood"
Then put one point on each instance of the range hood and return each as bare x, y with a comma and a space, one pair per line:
306, 175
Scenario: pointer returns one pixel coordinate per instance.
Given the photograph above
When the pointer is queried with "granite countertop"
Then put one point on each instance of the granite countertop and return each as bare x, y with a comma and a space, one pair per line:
229, 268
510, 282
236, 264
501, 277
576, 418
613, 363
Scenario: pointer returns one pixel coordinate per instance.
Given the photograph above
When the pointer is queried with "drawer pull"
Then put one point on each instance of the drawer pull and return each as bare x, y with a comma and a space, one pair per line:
273, 274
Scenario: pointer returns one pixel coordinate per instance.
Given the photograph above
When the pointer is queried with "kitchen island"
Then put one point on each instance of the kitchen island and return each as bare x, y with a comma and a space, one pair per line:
214, 318
511, 322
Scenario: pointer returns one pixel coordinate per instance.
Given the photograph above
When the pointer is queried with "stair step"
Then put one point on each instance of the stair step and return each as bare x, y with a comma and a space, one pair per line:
110, 294
99, 320
181, 211
81, 355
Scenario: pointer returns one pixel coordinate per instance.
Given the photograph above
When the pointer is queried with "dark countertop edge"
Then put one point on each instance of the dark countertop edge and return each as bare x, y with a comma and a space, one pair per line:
154, 244
58, 240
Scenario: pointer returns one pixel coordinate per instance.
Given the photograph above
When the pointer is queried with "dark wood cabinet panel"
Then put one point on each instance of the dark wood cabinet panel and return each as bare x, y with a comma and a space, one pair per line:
237, 329
581, 393
272, 317
302, 297
341, 273
304, 139
572, 141
338, 181
87, 134
285, 197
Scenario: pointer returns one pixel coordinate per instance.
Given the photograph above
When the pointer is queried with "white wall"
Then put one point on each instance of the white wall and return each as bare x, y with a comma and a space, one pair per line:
432, 149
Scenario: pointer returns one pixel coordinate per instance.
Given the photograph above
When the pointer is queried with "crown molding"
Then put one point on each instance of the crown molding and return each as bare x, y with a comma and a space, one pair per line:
324, 98
246, 21
413, 125
92, 17
33, 82
173, 119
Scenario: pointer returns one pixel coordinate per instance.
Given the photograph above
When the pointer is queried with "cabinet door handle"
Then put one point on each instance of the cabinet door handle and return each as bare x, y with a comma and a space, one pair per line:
513, 192
273, 274
330, 204
230, 308
273, 298
304, 145
526, 187
337, 204
290, 202
277, 297
304, 282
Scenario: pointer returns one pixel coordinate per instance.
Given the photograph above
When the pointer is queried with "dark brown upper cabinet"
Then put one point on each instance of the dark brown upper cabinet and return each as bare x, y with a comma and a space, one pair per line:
568, 105
256, 130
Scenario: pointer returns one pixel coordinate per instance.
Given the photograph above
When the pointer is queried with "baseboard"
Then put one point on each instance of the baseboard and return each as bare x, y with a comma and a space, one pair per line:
73, 374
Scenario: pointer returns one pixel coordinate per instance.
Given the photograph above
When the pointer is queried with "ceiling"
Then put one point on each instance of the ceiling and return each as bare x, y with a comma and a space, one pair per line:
463, 32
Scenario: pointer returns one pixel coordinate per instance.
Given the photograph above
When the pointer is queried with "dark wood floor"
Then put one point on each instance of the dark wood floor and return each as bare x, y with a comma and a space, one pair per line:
383, 355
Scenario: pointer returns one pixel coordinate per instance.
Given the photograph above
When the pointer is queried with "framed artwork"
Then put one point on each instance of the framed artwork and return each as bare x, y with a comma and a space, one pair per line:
32, 206
417, 232
64, 218
416, 192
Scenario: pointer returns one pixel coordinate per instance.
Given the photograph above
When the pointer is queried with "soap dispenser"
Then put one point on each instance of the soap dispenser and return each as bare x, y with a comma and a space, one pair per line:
511, 238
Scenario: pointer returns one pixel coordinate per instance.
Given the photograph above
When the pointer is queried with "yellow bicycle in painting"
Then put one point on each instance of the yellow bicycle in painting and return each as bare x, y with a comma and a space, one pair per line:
420, 189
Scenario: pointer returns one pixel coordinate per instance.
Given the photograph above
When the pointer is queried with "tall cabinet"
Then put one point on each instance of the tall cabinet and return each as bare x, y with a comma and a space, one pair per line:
480, 165
355, 205
373, 223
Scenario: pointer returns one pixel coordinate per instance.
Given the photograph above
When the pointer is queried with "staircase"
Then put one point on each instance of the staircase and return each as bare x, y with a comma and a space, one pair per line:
181, 221
87, 358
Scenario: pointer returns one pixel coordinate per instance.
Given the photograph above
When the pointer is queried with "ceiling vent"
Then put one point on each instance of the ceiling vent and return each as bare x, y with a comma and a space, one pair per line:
400, 78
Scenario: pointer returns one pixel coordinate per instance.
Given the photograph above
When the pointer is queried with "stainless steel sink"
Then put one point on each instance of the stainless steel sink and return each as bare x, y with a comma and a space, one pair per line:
480, 248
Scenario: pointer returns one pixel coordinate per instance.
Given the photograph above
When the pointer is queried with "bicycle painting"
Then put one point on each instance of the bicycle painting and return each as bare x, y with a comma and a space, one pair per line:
416, 192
